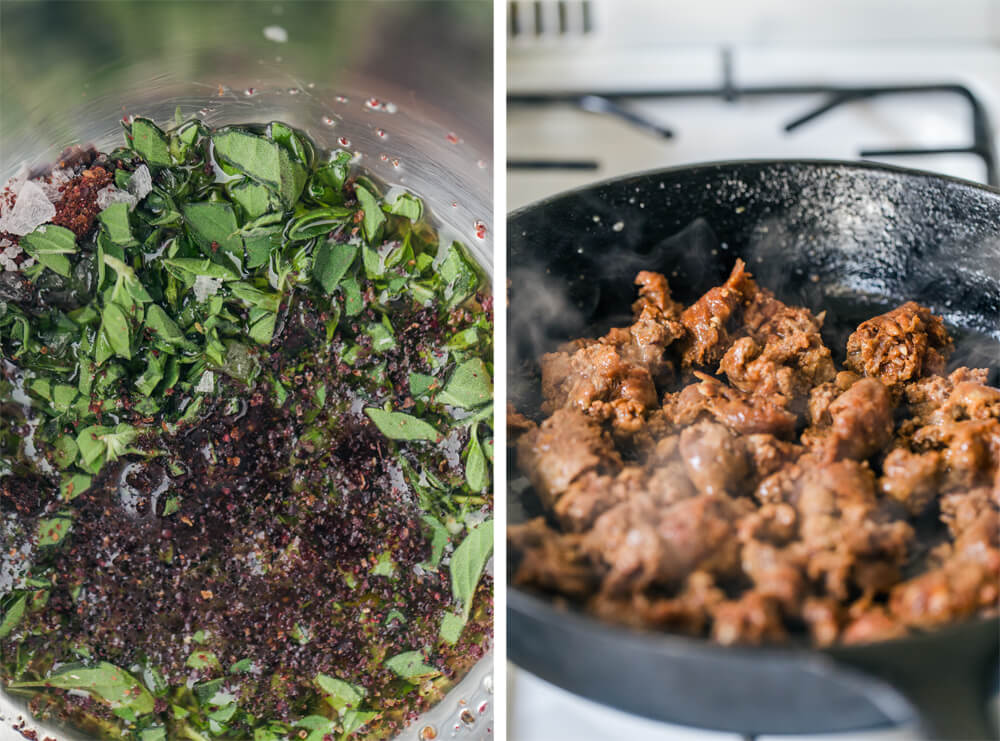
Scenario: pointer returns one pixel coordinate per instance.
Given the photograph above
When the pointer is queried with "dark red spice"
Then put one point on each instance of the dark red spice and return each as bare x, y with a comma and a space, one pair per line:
78, 207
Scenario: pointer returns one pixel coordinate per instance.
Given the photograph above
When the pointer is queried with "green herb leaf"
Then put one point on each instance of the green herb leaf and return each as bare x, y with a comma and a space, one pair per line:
188, 268
106, 681
213, 226
451, 626
421, 384
439, 539
459, 274
354, 719
263, 160
399, 426
470, 385
115, 330
98, 444
374, 219
476, 470
49, 245
409, 206
342, 695
468, 562
200, 659
164, 328
13, 605
116, 224
331, 263
150, 142
73, 485
410, 665
316, 223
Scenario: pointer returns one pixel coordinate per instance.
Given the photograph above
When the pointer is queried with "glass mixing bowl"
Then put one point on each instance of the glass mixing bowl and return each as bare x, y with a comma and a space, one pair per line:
425, 129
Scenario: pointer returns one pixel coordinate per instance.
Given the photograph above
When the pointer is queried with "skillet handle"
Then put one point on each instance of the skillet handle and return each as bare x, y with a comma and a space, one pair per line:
947, 683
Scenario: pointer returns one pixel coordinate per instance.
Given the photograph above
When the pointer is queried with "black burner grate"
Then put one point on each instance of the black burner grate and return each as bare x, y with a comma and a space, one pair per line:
615, 103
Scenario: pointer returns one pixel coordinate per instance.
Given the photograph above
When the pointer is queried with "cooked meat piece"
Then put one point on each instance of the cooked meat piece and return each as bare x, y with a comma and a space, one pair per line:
961, 510
848, 536
517, 424
710, 319
715, 512
669, 484
913, 479
970, 451
899, 346
773, 523
715, 458
768, 454
777, 573
928, 395
861, 422
737, 411
550, 560
783, 354
643, 544
654, 291
823, 395
593, 494
823, 616
959, 588
563, 448
753, 618
689, 612
873, 625
614, 378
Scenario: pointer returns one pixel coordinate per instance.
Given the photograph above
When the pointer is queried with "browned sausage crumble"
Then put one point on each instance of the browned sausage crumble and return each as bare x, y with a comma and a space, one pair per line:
779, 496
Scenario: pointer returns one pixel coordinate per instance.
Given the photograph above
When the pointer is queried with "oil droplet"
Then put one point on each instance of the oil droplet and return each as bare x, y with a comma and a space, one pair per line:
344, 141
427, 733
597, 219
395, 163
454, 204
293, 91
481, 164
467, 717
311, 85
480, 229
384, 157
250, 91
341, 99
380, 133
618, 226
329, 121
373, 103
452, 137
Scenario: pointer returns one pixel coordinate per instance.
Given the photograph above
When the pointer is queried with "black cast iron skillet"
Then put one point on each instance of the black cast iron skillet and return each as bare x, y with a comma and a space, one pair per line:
851, 239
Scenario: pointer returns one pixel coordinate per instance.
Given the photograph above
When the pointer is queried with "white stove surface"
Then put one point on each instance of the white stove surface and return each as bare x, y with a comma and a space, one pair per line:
711, 129
706, 130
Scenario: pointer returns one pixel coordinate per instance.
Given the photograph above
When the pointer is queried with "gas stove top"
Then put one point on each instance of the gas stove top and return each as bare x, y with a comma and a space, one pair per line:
579, 112
574, 118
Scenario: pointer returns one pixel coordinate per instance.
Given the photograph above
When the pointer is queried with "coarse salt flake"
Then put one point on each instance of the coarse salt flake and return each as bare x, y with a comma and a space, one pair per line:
207, 383
205, 287
31, 210
140, 184
110, 195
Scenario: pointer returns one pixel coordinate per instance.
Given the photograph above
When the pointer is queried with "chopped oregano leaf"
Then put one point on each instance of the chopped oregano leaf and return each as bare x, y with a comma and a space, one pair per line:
399, 426
470, 385
410, 665
331, 264
49, 245
105, 681
374, 217
150, 143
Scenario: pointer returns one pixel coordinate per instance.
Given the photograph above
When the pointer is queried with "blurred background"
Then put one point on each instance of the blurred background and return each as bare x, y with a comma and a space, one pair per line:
60, 52
601, 88
598, 88
405, 84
